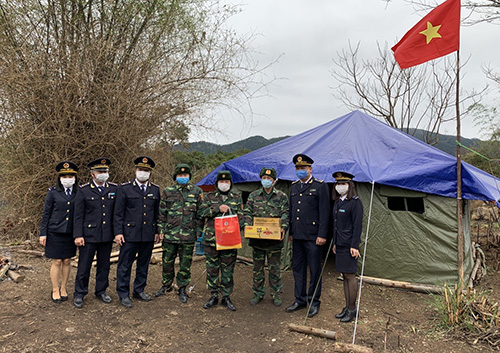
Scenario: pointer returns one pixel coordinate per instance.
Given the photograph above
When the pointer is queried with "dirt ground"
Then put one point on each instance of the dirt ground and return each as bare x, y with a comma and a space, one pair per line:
30, 322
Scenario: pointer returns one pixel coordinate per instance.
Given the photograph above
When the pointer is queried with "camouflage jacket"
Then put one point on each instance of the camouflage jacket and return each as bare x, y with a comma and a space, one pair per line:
210, 209
178, 219
260, 204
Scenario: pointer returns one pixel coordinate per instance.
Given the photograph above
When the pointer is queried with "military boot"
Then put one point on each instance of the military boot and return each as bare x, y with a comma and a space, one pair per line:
226, 302
163, 290
255, 300
277, 301
212, 301
182, 295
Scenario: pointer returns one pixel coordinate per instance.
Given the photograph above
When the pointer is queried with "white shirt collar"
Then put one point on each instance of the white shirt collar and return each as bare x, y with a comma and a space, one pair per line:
305, 182
139, 183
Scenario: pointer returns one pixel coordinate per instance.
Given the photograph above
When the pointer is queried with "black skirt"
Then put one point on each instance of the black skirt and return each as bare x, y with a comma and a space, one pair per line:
60, 246
344, 262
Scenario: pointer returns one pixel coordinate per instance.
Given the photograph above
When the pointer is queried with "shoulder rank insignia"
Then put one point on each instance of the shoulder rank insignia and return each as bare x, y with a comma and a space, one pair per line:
296, 181
114, 184
84, 185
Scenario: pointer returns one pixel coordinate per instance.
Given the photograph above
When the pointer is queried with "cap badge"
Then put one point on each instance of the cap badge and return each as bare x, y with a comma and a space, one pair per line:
223, 176
299, 159
103, 161
144, 160
66, 165
182, 169
268, 172
339, 175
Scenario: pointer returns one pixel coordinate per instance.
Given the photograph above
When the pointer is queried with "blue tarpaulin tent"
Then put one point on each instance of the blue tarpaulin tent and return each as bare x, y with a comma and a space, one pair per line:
414, 220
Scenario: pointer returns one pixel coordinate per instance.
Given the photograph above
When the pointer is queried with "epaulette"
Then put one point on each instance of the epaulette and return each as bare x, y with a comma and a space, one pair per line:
296, 181
355, 197
126, 183
52, 188
84, 185
154, 184
319, 180
114, 184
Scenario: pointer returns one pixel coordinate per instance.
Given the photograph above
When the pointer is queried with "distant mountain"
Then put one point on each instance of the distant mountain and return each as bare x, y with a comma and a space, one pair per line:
251, 143
445, 143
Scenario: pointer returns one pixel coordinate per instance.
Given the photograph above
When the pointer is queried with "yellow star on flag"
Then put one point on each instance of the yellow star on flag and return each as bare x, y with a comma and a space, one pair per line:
431, 32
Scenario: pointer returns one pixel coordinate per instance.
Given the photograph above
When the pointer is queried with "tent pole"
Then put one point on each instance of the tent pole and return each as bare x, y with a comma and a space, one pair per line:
460, 239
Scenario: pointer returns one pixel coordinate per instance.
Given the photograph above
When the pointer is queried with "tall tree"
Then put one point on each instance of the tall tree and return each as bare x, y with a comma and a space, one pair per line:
420, 97
83, 79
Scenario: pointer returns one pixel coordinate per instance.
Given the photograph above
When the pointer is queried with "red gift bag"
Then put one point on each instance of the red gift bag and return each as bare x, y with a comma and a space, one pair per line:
227, 232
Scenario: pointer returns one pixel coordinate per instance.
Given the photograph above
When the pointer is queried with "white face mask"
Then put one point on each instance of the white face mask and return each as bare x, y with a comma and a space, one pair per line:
142, 176
342, 189
102, 178
224, 187
67, 182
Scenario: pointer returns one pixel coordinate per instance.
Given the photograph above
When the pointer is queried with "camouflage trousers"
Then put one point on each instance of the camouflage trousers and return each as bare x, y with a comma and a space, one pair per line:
170, 252
222, 261
259, 277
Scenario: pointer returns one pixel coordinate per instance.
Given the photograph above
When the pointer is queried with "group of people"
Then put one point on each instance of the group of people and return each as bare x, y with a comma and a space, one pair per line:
135, 215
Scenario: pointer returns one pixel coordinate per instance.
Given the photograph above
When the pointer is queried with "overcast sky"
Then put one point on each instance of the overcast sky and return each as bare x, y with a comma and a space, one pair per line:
308, 35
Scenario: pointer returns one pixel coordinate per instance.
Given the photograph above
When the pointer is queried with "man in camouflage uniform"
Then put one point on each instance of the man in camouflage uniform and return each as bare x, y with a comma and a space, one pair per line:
180, 228
215, 204
267, 202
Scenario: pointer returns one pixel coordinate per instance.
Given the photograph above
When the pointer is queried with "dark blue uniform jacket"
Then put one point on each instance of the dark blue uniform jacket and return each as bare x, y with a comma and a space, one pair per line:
94, 213
347, 222
309, 210
58, 212
136, 213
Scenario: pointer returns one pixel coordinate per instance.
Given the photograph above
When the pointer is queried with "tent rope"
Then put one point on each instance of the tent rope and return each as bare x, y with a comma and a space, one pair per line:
363, 263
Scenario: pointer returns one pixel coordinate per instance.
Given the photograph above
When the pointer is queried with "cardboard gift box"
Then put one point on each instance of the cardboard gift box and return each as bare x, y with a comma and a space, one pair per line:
264, 228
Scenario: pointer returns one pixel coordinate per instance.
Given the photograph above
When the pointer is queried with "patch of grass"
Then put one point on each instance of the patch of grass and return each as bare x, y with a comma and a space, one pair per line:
471, 313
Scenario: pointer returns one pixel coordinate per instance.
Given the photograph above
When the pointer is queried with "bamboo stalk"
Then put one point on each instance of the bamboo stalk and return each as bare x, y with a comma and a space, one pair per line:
15, 276
416, 287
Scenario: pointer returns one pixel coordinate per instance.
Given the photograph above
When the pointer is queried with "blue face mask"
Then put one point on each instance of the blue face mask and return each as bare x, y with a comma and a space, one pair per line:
266, 183
301, 173
182, 181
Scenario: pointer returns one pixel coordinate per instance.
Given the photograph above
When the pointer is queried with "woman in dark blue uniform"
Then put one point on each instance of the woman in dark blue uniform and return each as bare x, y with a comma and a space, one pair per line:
347, 227
56, 229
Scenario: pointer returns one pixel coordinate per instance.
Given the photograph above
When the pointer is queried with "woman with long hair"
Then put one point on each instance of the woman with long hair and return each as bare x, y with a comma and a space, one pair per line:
347, 227
56, 229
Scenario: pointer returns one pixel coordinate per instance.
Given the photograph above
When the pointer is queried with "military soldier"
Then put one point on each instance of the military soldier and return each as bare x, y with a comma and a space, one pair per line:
216, 204
180, 228
93, 230
267, 202
309, 220
135, 227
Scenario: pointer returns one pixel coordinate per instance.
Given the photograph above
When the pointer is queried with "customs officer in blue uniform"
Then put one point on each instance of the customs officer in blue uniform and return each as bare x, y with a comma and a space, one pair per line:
93, 231
56, 228
347, 228
309, 220
136, 230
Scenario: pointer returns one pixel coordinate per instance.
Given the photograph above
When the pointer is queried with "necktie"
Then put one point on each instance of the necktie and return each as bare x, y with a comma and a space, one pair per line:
100, 189
143, 188
68, 192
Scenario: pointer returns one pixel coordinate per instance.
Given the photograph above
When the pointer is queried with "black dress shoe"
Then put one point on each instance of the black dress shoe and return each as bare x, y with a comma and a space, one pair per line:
349, 316
163, 290
313, 311
57, 301
342, 313
64, 298
226, 302
294, 307
182, 295
78, 302
212, 301
126, 302
142, 296
104, 297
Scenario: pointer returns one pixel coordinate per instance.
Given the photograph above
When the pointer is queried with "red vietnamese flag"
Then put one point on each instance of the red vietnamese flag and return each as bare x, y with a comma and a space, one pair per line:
435, 35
